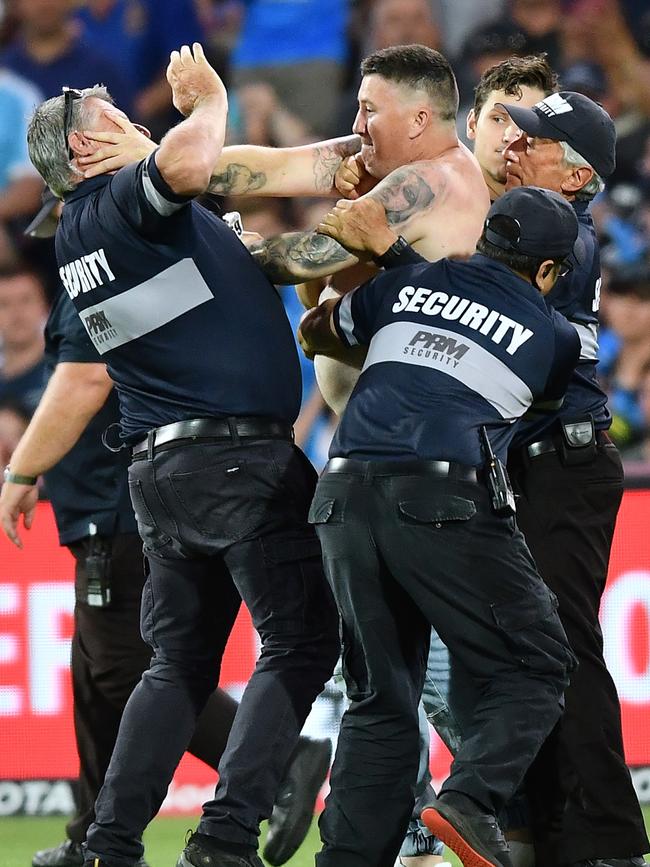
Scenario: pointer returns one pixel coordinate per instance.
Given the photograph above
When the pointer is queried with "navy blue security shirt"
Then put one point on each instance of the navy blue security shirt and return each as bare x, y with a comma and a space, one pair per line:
452, 346
577, 296
187, 323
89, 484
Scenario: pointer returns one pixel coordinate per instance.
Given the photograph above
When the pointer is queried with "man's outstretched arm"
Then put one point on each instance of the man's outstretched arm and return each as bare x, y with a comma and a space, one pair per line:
308, 170
240, 170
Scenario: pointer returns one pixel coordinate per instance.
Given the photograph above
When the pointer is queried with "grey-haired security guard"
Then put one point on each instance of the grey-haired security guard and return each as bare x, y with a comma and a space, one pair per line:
197, 342
416, 520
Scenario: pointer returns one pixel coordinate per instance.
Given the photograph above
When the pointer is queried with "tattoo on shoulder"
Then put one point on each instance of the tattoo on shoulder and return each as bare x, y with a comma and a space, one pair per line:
327, 159
404, 193
236, 180
298, 255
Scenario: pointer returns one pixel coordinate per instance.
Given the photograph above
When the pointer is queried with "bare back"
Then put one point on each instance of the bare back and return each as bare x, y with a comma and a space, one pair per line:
439, 206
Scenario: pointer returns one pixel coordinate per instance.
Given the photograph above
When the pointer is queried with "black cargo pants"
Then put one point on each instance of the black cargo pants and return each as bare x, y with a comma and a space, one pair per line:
404, 552
221, 523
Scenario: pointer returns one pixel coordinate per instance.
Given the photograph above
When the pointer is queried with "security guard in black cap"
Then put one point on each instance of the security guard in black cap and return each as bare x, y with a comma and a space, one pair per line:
569, 480
415, 516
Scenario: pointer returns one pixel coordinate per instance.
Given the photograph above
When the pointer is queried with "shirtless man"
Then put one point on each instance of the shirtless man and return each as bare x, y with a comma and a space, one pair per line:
428, 182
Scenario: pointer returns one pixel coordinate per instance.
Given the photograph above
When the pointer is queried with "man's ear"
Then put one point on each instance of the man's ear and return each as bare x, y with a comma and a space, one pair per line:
80, 145
579, 178
420, 121
471, 124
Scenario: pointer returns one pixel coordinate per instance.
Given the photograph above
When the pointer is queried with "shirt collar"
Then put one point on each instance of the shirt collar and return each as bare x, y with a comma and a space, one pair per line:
580, 206
86, 187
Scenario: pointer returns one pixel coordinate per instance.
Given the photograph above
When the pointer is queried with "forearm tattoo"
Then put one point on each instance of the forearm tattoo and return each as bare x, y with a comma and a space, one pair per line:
236, 180
299, 256
403, 194
327, 160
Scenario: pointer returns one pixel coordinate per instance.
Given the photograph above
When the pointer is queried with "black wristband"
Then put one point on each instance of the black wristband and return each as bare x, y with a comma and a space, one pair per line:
398, 254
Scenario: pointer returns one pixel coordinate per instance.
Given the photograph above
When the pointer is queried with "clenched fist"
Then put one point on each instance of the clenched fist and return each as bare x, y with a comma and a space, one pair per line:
192, 79
351, 178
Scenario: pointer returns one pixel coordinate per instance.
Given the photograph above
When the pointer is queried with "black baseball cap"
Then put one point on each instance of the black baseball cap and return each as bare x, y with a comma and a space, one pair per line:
541, 224
574, 118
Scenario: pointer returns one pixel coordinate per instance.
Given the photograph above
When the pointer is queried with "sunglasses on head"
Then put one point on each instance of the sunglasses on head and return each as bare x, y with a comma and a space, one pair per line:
69, 94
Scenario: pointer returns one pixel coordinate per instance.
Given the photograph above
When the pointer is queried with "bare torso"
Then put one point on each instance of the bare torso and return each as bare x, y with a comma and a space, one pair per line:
439, 206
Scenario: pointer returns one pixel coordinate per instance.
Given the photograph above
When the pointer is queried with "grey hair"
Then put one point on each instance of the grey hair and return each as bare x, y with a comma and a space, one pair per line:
47, 147
595, 185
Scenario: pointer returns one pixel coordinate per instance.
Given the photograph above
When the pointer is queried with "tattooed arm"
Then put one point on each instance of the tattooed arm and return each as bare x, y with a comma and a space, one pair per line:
406, 194
301, 171
300, 256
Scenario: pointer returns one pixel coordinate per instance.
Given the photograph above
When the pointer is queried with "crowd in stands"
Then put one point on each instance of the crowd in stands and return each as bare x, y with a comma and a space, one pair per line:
292, 69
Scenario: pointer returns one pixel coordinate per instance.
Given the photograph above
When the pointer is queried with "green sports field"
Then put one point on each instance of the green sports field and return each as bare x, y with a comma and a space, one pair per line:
21, 837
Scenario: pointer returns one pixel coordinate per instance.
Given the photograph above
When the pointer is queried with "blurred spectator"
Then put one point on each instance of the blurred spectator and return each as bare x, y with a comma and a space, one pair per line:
387, 23
627, 349
20, 184
619, 220
299, 49
23, 312
599, 32
49, 51
402, 22
640, 451
256, 116
458, 18
14, 419
587, 78
485, 48
142, 34
540, 22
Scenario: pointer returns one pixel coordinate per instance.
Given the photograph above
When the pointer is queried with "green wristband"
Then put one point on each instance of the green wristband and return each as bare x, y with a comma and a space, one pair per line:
17, 479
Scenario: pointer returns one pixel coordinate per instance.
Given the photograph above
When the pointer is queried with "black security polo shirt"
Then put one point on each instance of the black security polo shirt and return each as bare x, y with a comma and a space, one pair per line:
187, 323
577, 296
89, 484
452, 346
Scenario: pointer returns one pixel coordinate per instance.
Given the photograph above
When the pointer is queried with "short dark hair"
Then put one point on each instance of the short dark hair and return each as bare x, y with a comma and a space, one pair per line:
514, 73
519, 262
418, 68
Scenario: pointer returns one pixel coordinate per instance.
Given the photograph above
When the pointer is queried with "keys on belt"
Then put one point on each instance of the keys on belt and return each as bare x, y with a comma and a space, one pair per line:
555, 445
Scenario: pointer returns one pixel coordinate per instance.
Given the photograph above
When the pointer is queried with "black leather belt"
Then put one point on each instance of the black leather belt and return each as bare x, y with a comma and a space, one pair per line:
443, 469
211, 430
550, 444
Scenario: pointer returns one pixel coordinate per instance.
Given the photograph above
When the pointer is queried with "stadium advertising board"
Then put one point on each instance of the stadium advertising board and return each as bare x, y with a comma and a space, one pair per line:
37, 751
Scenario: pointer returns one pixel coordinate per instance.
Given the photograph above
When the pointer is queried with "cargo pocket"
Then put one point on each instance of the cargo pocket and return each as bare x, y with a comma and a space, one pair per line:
532, 630
297, 587
436, 510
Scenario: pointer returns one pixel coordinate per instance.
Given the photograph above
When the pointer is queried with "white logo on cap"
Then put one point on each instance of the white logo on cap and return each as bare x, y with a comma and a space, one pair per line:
554, 104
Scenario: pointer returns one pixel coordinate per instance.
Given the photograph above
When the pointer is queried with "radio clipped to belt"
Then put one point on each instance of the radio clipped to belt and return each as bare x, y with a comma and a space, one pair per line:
577, 440
98, 569
501, 495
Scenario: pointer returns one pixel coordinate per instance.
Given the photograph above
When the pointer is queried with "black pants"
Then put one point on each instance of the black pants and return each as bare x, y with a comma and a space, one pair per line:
583, 804
403, 553
108, 659
220, 523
